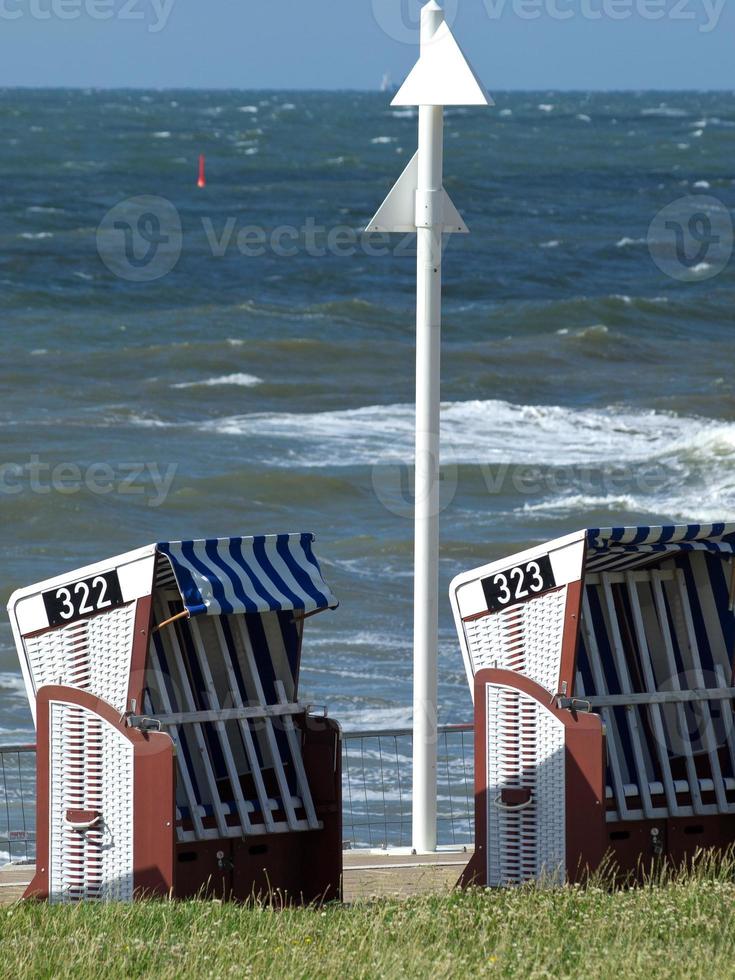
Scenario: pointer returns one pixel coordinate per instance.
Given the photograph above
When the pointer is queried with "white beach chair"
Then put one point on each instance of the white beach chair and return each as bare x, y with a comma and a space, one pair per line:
173, 753
602, 675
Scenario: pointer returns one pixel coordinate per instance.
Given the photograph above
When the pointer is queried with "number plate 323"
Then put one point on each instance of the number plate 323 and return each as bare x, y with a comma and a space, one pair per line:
84, 598
519, 583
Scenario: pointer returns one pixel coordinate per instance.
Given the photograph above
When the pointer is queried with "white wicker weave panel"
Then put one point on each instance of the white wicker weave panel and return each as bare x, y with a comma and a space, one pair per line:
91, 769
526, 638
91, 654
525, 750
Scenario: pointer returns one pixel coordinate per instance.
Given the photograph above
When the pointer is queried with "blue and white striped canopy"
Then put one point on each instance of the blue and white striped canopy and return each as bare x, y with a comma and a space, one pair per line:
611, 548
268, 573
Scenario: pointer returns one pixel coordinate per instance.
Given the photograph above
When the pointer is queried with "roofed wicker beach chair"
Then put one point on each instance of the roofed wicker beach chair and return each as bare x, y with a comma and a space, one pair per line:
601, 666
174, 755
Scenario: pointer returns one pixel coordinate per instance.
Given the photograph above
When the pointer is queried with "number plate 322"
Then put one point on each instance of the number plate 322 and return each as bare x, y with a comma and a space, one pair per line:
519, 583
84, 598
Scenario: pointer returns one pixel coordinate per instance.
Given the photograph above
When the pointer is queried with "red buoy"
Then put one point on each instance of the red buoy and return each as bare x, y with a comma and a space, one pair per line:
202, 182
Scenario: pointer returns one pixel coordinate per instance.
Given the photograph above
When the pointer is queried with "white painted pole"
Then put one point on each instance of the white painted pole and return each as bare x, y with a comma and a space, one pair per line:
429, 225
442, 76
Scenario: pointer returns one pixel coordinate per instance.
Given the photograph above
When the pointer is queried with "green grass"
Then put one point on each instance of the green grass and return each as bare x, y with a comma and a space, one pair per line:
678, 925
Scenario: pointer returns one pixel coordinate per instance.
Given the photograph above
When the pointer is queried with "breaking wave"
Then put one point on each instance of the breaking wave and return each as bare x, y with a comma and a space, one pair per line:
239, 380
482, 432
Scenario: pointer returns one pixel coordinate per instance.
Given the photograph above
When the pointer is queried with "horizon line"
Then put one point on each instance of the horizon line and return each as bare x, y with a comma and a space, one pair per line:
351, 90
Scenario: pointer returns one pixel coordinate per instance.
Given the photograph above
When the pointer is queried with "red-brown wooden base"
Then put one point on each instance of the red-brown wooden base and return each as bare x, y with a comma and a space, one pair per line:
628, 849
293, 868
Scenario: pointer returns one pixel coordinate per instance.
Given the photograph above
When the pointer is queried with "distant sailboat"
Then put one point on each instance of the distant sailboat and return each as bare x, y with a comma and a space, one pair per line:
387, 83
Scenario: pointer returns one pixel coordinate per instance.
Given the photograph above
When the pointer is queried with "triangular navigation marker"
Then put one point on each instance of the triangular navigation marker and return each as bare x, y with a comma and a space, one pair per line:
442, 76
397, 213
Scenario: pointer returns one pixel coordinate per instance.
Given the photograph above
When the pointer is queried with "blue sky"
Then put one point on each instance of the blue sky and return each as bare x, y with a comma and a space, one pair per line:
333, 44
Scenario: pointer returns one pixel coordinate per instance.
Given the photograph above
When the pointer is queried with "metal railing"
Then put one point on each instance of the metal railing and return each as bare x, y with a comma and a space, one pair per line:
376, 787
17, 803
376, 791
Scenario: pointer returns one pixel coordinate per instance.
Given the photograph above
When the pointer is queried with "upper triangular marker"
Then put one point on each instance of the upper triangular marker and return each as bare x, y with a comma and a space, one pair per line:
442, 76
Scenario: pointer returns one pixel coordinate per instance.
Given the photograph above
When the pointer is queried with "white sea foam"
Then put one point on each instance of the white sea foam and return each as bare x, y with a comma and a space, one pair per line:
546, 107
625, 242
12, 684
554, 243
143, 422
477, 432
162, 134
694, 481
583, 117
34, 236
240, 380
251, 109
676, 502
665, 112
383, 139
372, 639
703, 185
559, 506
332, 672
355, 719
595, 330
692, 459
41, 209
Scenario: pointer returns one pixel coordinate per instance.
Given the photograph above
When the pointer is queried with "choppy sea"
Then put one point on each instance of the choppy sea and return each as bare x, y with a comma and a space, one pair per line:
238, 358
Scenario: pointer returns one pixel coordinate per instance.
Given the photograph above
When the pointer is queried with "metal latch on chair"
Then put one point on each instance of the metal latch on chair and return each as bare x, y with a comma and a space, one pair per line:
573, 704
142, 722
570, 704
